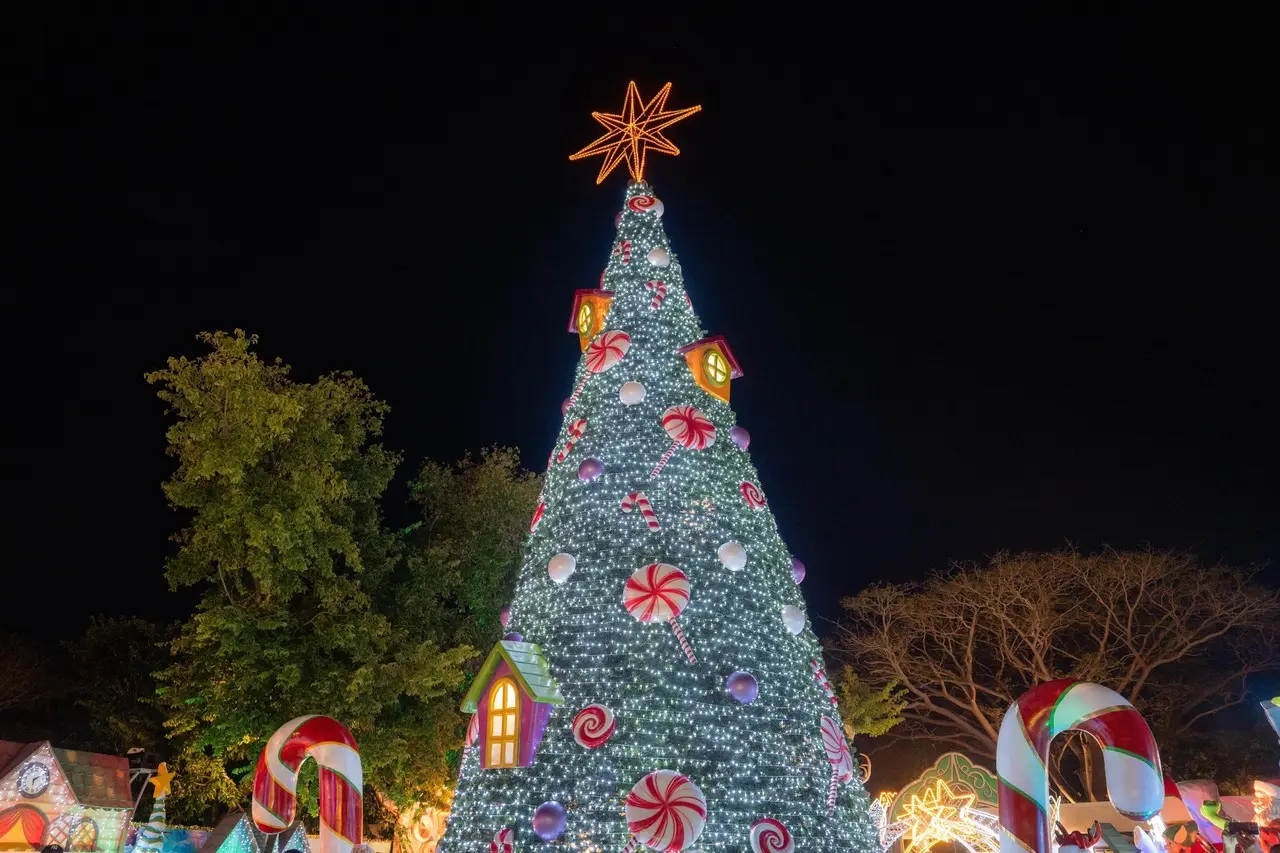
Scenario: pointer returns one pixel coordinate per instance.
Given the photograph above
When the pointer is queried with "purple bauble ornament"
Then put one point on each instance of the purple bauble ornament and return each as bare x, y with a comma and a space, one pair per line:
740, 437
513, 637
564, 407
617, 219
590, 468
504, 615
549, 820
797, 570
743, 687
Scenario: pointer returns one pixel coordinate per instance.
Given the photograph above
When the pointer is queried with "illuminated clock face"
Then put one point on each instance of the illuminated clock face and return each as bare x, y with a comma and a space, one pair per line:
33, 779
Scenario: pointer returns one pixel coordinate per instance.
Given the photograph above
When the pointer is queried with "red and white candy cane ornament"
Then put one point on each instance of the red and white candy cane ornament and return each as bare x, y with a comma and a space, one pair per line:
840, 756
537, 516
769, 835
624, 249
659, 289
1131, 759
576, 429
604, 352
504, 841
665, 812
641, 500
659, 593
341, 781
820, 675
687, 427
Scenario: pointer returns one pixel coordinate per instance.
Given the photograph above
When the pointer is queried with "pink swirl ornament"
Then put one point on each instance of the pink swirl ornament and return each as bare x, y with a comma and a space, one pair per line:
659, 593
665, 812
604, 352
504, 841
752, 495
840, 756
644, 204
771, 836
593, 726
687, 427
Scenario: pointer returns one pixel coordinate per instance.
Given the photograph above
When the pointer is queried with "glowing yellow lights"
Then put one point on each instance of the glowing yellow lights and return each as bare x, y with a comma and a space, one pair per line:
162, 779
714, 367
941, 815
585, 318
633, 132
504, 720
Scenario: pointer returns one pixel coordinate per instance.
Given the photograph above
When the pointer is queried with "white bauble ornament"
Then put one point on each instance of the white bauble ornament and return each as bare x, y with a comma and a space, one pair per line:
733, 556
561, 566
659, 257
631, 393
793, 618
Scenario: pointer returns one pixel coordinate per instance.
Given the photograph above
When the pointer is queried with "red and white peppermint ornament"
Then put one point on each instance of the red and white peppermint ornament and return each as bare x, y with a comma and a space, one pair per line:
659, 593
769, 835
575, 432
537, 516
624, 249
641, 500
659, 289
665, 812
504, 841
606, 350
687, 427
646, 204
752, 495
838, 754
592, 726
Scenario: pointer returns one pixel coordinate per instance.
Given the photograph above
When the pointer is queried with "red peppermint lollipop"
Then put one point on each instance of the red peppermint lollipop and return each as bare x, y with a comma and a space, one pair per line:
658, 593
687, 428
838, 753
604, 352
665, 812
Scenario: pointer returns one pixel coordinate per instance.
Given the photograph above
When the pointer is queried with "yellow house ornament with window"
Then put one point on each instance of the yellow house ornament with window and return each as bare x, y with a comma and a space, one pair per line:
712, 364
590, 310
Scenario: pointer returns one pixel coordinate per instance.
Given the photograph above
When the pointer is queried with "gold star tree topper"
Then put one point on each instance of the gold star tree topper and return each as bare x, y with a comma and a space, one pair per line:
634, 132
162, 779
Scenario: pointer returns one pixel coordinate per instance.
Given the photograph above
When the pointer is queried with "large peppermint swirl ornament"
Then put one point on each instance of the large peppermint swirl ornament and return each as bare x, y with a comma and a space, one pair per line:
275, 782
659, 593
606, 350
1131, 759
592, 726
665, 812
504, 841
687, 427
838, 754
752, 495
771, 836
645, 204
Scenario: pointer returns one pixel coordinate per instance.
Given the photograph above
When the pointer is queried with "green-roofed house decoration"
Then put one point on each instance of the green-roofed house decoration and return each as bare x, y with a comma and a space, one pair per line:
512, 697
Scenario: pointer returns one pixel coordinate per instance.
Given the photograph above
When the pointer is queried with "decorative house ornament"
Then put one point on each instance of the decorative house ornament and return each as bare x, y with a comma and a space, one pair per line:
513, 694
712, 364
590, 308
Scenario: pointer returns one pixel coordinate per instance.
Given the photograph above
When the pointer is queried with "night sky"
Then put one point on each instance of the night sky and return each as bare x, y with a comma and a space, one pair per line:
994, 284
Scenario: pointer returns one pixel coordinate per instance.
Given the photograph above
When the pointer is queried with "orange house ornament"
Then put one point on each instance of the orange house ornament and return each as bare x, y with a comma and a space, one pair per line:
590, 308
712, 364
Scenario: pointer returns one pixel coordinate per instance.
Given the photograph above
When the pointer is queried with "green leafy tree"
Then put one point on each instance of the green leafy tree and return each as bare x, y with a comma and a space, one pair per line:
280, 482
867, 710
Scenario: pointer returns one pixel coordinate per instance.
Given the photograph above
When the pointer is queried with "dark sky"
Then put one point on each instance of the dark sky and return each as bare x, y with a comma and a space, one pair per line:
995, 284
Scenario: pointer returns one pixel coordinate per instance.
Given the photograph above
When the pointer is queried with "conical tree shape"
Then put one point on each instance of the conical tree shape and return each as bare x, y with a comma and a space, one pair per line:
151, 836
760, 759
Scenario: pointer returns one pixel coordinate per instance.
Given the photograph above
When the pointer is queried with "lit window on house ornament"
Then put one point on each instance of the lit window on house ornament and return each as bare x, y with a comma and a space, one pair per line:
715, 368
584, 318
504, 719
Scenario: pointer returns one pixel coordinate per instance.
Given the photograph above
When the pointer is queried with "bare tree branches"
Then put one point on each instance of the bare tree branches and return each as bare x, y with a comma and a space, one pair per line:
1177, 639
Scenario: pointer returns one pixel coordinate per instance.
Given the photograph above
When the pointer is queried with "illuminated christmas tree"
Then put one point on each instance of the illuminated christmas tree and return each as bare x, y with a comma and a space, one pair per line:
596, 727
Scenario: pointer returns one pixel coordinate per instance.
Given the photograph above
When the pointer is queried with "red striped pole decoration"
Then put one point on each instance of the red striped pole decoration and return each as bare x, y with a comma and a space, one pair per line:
1131, 759
820, 675
682, 640
659, 289
341, 781
576, 429
641, 500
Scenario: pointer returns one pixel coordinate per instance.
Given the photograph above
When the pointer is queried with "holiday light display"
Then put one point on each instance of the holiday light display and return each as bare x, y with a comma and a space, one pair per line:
942, 814
667, 709
632, 133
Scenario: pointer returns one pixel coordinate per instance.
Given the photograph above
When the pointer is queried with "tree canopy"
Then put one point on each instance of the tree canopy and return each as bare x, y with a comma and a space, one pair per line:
310, 604
1178, 639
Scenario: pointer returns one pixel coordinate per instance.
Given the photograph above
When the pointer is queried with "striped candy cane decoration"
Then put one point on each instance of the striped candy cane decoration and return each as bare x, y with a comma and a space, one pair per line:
1131, 759
575, 432
639, 499
820, 675
682, 640
341, 781
659, 289
624, 249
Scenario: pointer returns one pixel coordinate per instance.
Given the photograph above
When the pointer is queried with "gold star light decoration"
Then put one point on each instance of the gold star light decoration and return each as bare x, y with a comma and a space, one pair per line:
634, 132
942, 814
162, 779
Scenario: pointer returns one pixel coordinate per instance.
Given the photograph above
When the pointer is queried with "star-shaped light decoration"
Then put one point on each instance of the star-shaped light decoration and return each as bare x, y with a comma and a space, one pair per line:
941, 814
633, 132
162, 779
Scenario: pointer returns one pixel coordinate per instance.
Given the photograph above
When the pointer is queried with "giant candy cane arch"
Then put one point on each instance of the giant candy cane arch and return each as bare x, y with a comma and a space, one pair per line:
341, 781
1135, 783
